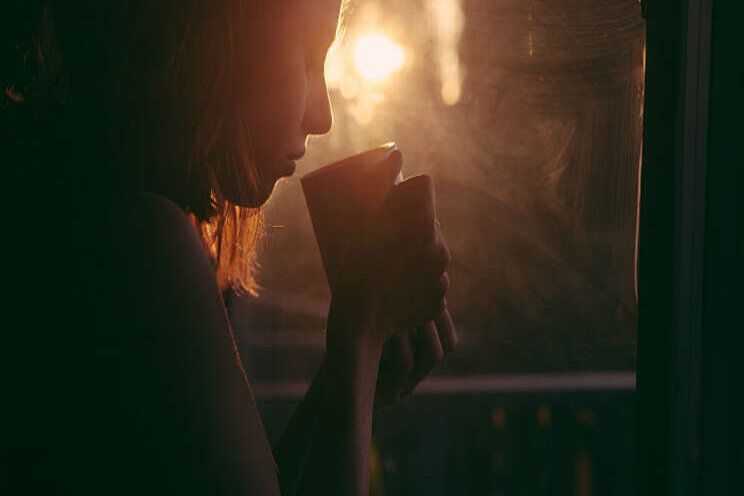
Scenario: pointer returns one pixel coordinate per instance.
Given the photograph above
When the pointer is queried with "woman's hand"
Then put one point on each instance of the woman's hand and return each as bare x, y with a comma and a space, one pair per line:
409, 356
395, 277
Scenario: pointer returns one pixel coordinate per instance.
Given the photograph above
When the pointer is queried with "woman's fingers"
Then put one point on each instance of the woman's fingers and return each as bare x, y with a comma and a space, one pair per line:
409, 356
435, 340
429, 353
419, 273
446, 330
424, 303
412, 254
396, 366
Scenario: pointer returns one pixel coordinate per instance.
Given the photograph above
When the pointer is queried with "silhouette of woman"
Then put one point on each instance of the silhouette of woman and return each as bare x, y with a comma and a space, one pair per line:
141, 139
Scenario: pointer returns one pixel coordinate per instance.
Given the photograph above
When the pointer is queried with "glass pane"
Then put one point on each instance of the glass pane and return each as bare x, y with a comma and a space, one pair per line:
528, 116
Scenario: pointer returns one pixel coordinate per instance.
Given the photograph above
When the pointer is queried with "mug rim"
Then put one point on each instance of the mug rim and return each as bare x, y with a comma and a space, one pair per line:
388, 148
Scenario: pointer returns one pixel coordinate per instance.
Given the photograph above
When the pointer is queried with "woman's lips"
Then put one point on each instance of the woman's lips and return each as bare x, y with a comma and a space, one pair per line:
287, 168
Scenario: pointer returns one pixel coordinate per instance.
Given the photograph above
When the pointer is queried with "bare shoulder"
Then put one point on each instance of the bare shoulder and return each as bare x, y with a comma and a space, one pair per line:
146, 221
162, 296
155, 249
155, 275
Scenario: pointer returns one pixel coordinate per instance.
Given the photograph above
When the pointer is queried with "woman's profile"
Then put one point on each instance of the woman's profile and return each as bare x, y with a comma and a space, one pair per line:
142, 138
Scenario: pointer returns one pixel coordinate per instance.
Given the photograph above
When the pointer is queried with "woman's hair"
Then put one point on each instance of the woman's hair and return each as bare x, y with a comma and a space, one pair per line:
104, 97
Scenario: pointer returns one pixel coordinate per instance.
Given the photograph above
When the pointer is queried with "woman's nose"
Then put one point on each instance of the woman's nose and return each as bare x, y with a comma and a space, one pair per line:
318, 117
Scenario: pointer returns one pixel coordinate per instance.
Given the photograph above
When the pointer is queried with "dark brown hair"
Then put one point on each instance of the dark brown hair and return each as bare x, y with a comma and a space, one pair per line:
137, 95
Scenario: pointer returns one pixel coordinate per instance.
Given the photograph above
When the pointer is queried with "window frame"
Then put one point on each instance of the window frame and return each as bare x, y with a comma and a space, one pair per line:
688, 251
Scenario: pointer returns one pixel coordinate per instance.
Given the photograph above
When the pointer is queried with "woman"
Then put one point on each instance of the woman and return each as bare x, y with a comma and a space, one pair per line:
151, 133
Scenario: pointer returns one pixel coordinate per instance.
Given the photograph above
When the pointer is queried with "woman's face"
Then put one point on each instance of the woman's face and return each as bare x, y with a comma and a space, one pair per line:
287, 99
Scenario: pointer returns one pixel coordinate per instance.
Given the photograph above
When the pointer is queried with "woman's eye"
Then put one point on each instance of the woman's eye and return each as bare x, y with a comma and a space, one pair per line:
311, 59
315, 59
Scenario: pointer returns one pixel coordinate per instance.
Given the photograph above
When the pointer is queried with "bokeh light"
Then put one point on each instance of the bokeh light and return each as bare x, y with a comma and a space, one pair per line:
448, 20
376, 57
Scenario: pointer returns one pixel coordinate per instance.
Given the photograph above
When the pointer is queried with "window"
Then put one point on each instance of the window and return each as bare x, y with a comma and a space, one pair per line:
528, 116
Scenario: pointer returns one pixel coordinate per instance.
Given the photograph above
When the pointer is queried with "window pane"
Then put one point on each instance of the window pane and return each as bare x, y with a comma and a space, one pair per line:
527, 114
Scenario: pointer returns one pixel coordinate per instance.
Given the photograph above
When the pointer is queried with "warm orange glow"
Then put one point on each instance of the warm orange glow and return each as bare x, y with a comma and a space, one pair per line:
334, 66
376, 57
11, 93
359, 67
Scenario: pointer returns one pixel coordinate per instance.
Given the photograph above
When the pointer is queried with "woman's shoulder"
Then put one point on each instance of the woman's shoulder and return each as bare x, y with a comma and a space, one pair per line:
143, 209
139, 225
151, 254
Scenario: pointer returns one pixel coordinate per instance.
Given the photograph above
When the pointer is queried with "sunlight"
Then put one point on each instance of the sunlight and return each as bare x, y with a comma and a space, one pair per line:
363, 61
376, 57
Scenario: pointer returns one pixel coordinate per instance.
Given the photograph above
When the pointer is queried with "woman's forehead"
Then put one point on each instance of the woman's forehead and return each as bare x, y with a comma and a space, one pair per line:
321, 14
293, 17
321, 17
321, 11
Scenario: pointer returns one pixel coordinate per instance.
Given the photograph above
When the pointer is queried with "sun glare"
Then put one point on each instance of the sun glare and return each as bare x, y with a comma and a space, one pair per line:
376, 57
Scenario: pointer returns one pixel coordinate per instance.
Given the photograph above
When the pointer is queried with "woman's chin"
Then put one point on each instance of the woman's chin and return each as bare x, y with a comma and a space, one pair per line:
265, 192
267, 180
267, 184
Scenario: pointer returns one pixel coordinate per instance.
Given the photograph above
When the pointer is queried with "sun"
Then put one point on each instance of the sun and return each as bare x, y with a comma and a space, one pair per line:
376, 57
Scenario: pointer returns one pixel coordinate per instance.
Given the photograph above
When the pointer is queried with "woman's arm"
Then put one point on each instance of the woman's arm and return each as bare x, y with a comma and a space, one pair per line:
338, 461
403, 366
325, 448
